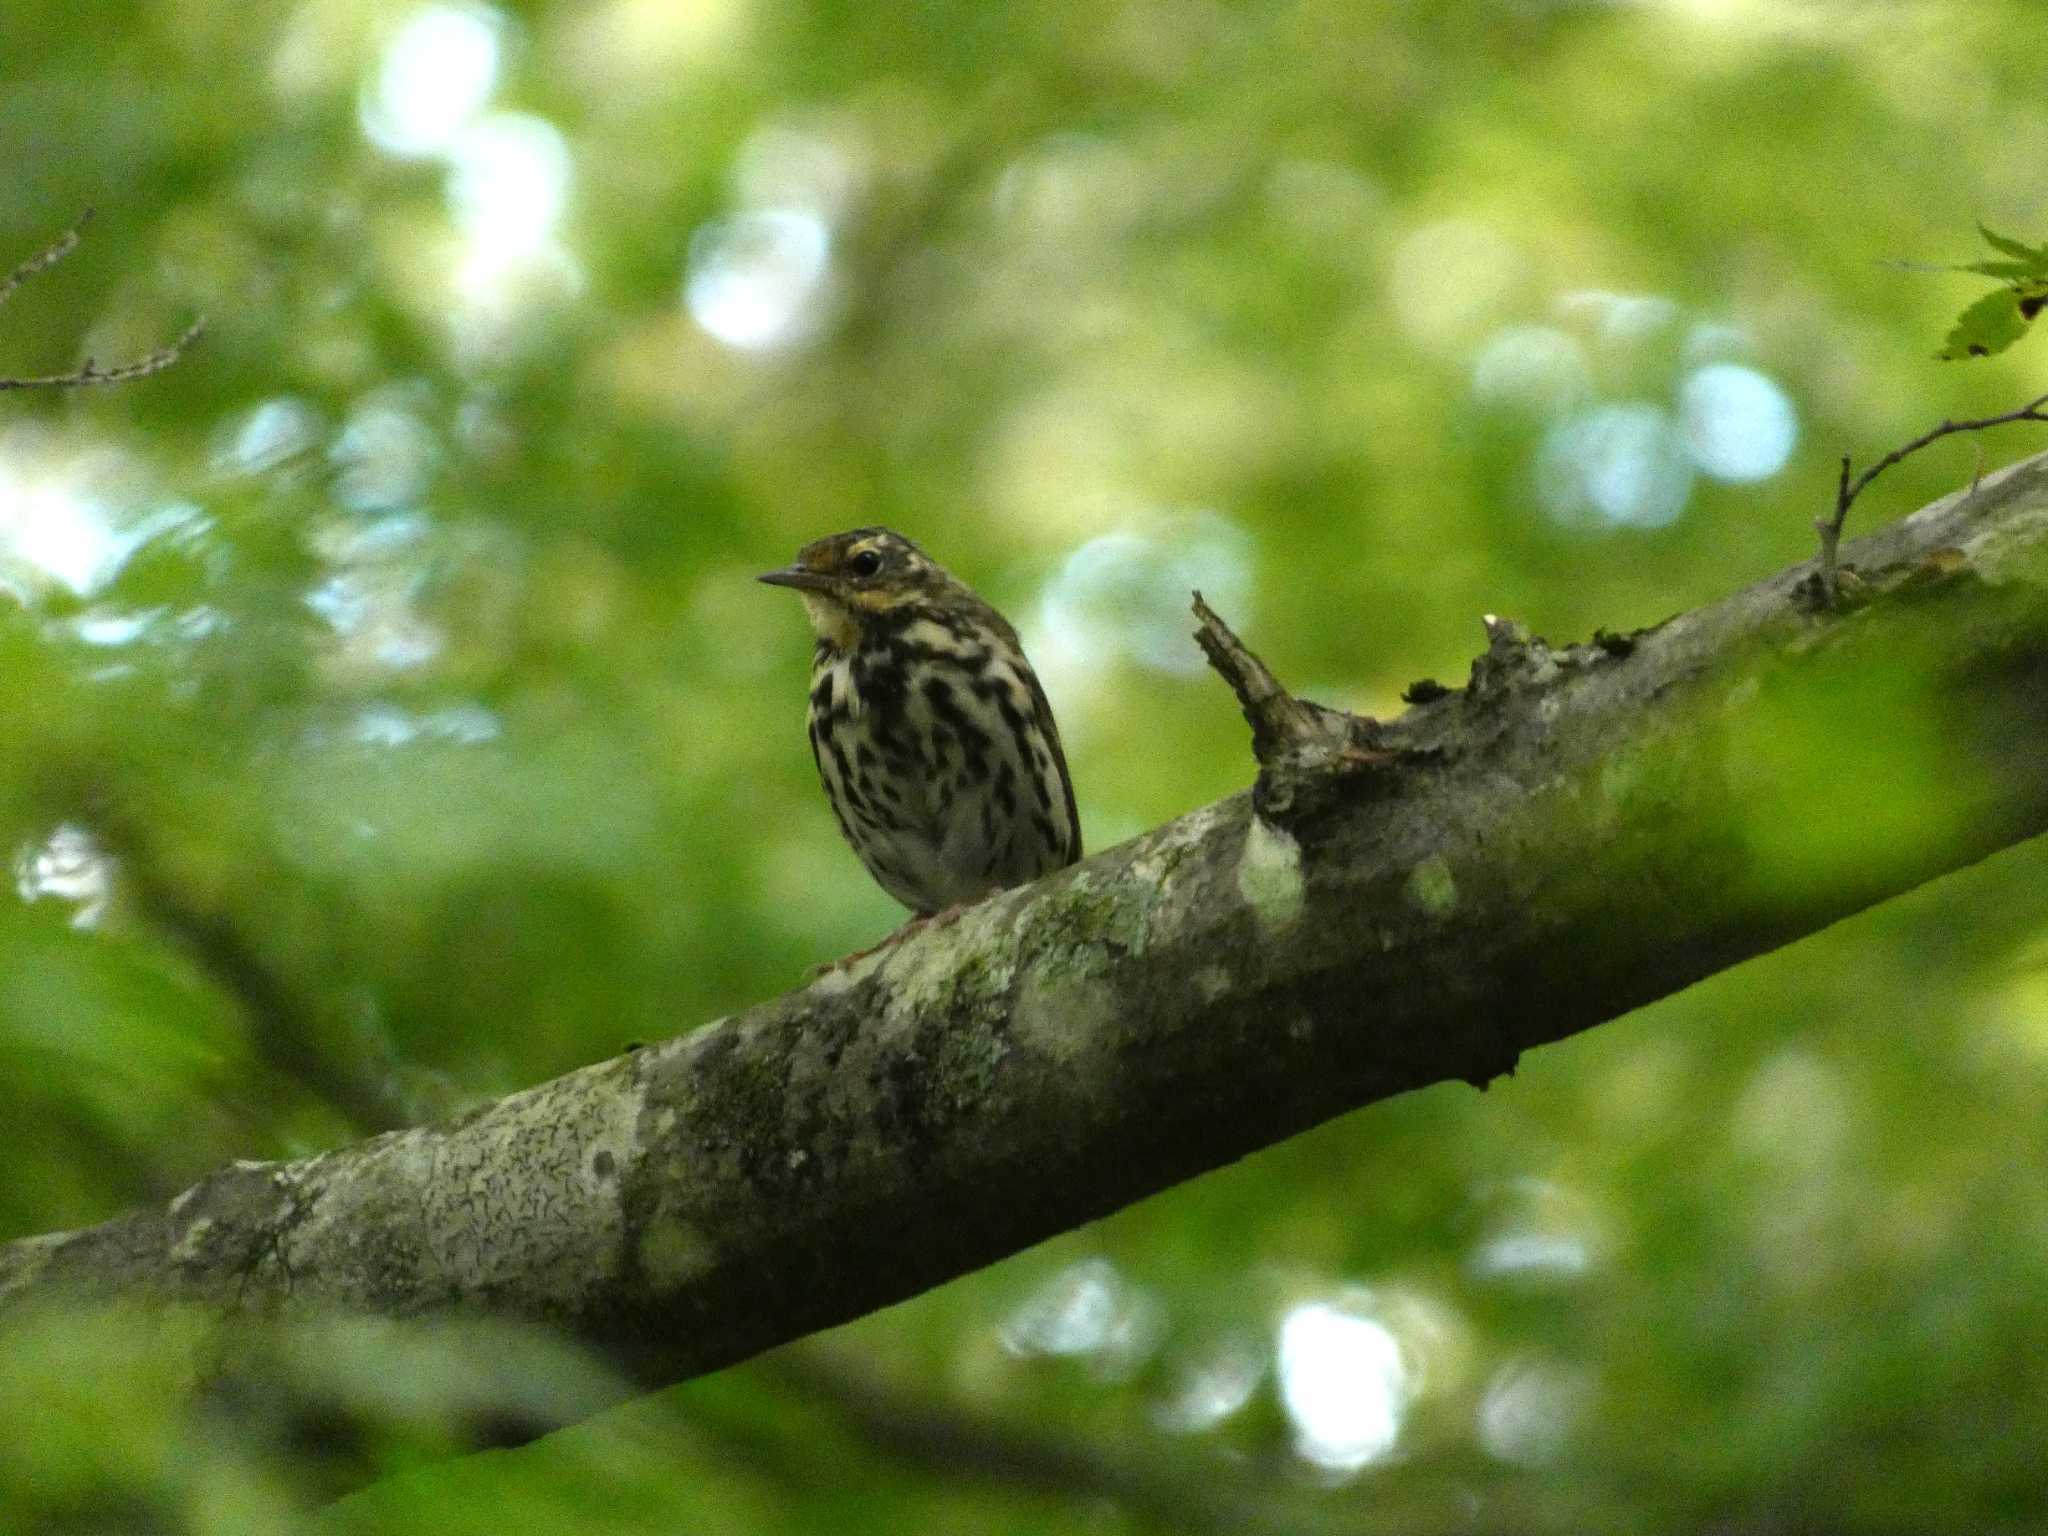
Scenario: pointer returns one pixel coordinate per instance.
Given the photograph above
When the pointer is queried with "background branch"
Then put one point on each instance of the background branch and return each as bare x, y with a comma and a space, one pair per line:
89, 372
282, 1026
1164, 1493
46, 258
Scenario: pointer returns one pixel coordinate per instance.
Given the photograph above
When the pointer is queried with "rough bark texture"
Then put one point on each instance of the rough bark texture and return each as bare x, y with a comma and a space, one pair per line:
1579, 831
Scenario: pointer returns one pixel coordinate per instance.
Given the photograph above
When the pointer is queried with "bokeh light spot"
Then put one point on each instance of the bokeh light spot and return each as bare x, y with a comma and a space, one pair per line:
1087, 1310
1538, 1233
1739, 425
436, 73
1125, 595
1211, 1387
756, 279
384, 456
385, 724
1528, 1411
70, 520
1536, 368
1614, 466
509, 176
70, 866
1344, 1384
508, 180
1623, 319
268, 436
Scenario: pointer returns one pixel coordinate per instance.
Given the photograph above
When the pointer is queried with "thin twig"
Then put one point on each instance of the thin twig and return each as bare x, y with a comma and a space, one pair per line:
43, 260
90, 372
1846, 492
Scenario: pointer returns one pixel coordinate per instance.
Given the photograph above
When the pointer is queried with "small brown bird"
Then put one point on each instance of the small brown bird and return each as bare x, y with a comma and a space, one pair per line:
932, 734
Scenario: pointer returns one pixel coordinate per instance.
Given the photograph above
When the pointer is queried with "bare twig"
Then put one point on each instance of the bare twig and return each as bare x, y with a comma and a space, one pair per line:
1846, 491
89, 372
45, 259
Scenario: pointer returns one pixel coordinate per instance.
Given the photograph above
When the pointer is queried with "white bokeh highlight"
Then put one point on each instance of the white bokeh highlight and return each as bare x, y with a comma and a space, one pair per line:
67, 866
756, 279
1623, 465
760, 278
1088, 1311
1344, 1383
509, 174
1738, 425
1123, 596
436, 73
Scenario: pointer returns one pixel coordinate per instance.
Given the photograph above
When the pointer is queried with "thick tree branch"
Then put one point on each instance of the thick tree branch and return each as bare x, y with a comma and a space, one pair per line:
1579, 831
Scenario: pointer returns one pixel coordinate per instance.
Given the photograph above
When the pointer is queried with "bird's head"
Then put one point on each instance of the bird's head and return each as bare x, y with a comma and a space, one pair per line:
851, 580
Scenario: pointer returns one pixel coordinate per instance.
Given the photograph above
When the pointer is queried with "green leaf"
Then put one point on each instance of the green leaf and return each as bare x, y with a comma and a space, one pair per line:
2005, 271
2036, 257
2001, 318
1987, 327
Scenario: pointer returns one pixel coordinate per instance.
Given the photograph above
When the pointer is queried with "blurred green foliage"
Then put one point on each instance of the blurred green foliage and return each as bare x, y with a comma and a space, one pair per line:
391, 719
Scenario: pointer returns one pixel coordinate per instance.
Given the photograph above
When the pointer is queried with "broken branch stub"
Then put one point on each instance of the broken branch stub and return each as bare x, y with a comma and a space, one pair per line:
1303, 749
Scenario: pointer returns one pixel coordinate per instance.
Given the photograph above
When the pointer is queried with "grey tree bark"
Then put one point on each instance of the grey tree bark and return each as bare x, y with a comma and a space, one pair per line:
1578, 831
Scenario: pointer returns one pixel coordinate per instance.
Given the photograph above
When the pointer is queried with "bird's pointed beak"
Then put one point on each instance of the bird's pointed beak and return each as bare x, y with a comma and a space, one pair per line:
803, 579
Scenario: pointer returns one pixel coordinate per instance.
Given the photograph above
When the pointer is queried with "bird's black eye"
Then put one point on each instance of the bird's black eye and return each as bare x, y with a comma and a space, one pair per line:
866, 563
